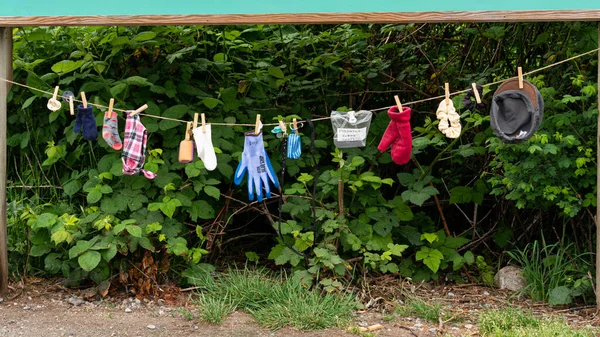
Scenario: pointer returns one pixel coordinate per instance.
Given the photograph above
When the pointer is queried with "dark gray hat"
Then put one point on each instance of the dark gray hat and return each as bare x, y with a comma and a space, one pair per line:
516, 114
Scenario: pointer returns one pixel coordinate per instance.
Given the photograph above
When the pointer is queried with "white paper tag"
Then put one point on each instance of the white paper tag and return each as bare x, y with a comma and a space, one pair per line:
350, 135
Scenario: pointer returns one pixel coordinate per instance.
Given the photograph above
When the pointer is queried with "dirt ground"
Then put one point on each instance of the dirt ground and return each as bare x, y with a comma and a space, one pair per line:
41, 308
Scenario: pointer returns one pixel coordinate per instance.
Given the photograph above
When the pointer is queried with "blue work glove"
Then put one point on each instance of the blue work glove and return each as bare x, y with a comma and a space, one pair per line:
256, 162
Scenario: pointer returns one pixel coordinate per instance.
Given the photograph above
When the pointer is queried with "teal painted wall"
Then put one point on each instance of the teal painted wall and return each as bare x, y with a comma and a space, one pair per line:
156, 7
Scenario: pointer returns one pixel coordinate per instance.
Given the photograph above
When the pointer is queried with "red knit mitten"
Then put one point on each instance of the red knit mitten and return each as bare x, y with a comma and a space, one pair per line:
398, 135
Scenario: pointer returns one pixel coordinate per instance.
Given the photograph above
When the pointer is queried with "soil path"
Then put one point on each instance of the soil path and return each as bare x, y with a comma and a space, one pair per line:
51, 315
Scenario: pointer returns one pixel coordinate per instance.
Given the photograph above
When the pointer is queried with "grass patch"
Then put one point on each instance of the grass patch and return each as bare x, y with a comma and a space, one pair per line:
510, 322
419, 308
291, 304
215, 309
274, 301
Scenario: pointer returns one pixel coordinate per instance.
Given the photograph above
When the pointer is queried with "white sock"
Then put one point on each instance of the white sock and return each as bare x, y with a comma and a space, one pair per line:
206, 151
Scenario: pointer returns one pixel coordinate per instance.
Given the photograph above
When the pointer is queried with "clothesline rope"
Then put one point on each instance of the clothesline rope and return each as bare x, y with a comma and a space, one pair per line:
322, 118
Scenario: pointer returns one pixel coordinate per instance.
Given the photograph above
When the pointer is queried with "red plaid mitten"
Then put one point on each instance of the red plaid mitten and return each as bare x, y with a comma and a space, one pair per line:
398, 135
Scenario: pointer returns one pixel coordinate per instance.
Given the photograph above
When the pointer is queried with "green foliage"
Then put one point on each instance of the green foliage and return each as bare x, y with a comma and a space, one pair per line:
553, 272
391, 216
420, 308
512, 322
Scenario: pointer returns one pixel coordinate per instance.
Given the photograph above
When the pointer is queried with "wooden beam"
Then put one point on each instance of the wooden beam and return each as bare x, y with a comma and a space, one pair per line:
306, 18
6, 47
598, 190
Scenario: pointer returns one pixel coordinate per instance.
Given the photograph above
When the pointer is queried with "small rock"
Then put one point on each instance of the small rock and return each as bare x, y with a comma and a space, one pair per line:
1, 299
161, 313
468, 326
75, 301
128, 310
450, 294
418, 326
151, 326
195, 327
137, 301
455, 328
26, 307
432, 330
511, 278
363, 324
485, 293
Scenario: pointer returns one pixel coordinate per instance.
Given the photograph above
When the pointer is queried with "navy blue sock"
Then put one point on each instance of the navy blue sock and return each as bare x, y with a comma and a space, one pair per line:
87, 123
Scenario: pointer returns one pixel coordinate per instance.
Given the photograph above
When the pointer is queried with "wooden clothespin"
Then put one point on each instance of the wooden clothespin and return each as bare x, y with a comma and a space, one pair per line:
203, 123
140, 109
109, 112
257, 125
520, 71
295, 124
447, 91
398, 103
283, 127
71, 106
195, 121
476, 93
188, 130
84, 100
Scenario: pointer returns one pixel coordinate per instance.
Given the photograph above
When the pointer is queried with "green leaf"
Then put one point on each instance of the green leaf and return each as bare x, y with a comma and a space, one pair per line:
406, 179
134, 230
192, 171
117, 89
430, 237
201, 209
417, 198
146, 244
401, 209
431, 258
276, 72
252, 257
169, 207
282, 255
212, 192
455, 242
66, 66
94, 196
177, 246
211, 103
461, 195
79, 248
153, 227
469, 257
39, 250
105, 189
45, 220
144, 36
53, 263
28, 102
109, 253
61, 236
396, 249
72, 187
138, 81
560, 295
89, 260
